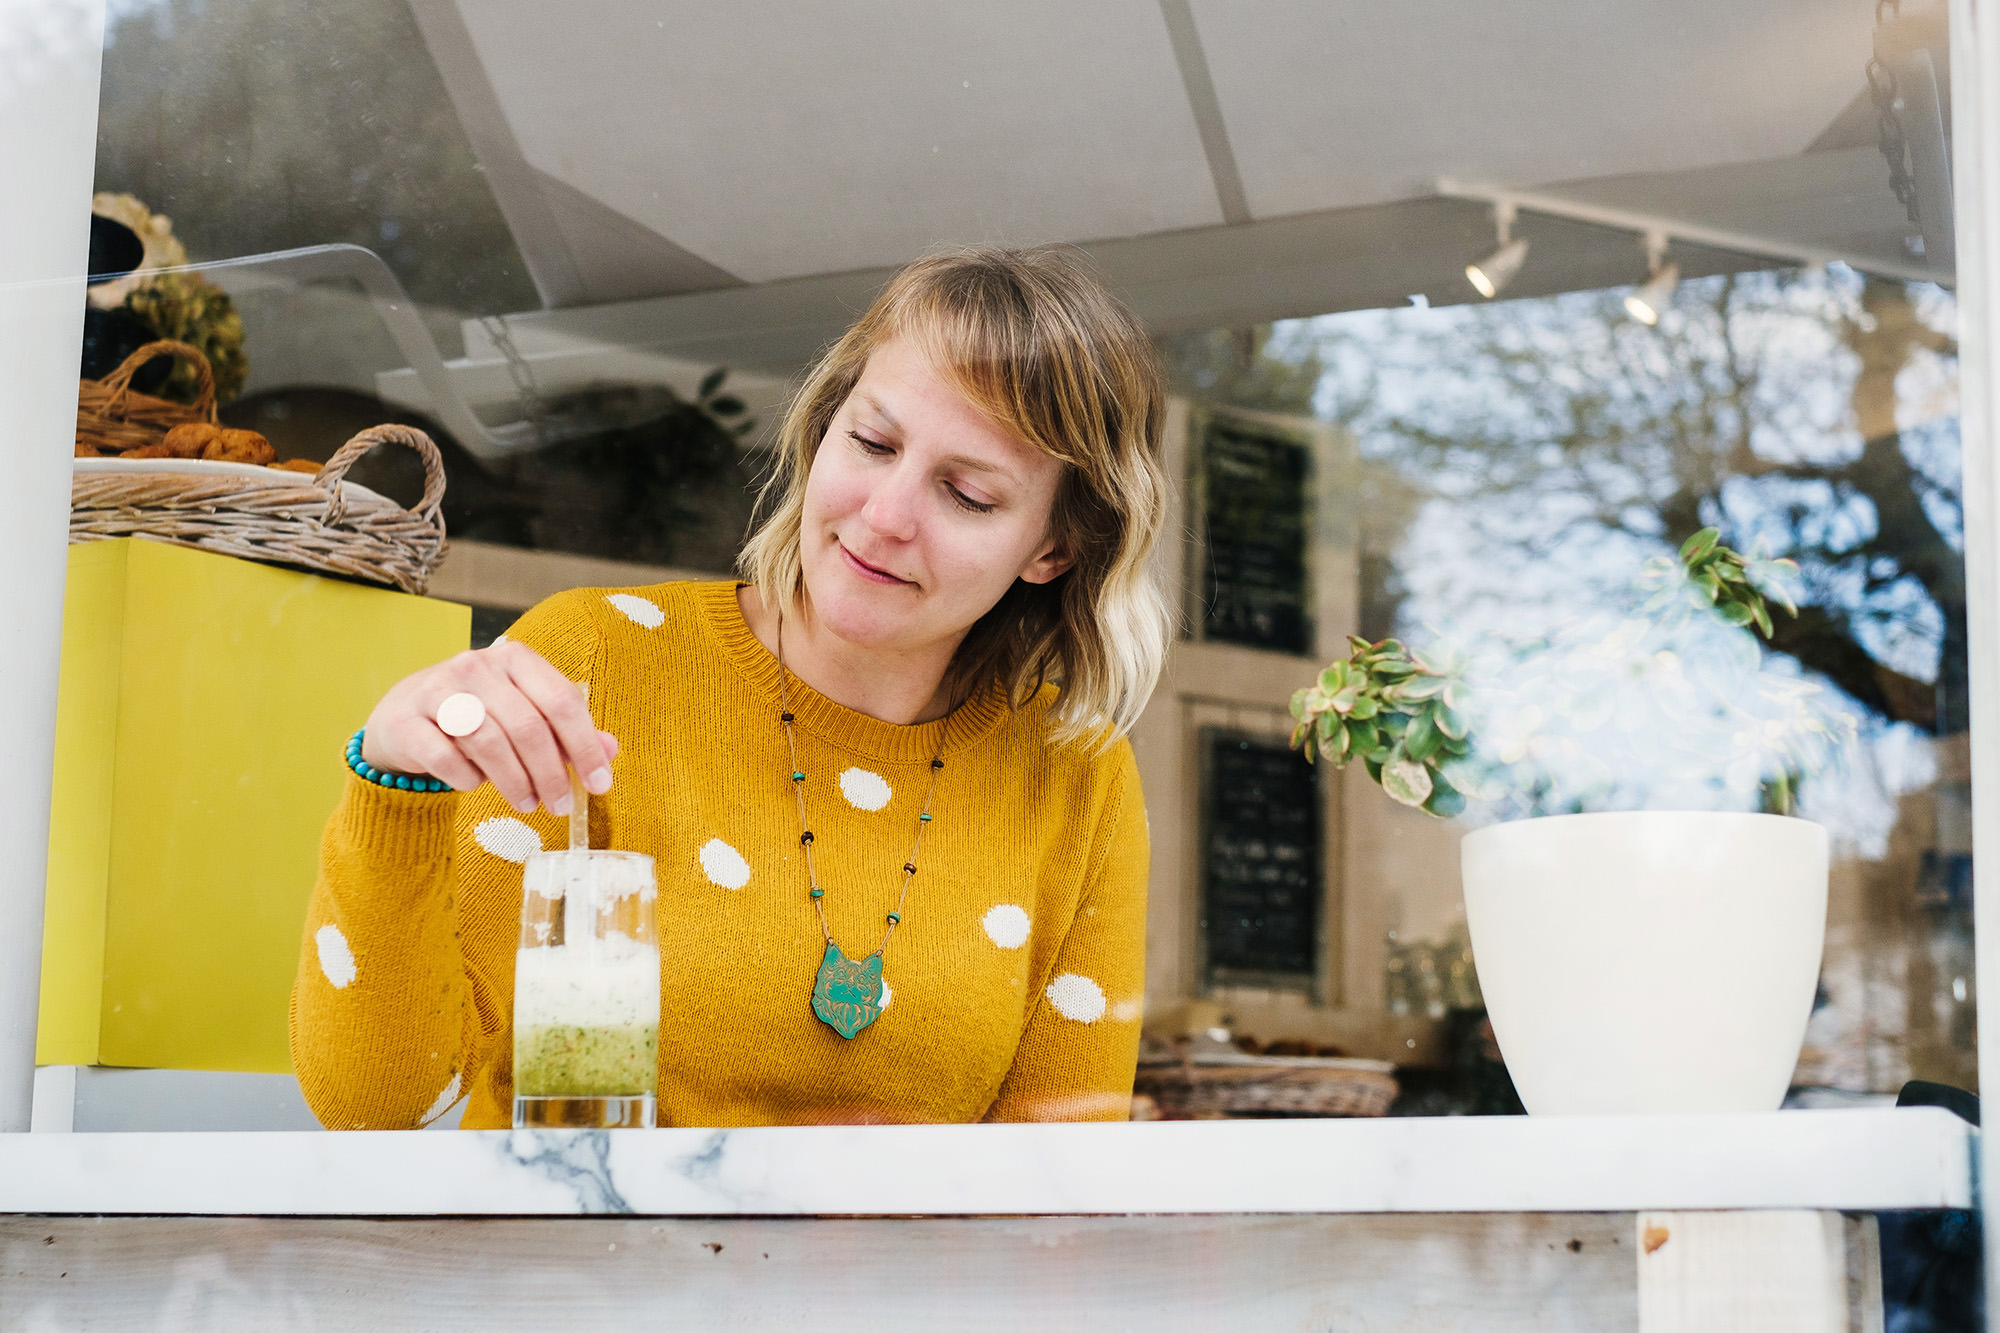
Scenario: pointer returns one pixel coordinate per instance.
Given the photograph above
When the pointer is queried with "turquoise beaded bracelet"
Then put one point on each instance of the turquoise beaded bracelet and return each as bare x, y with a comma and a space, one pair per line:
367, 772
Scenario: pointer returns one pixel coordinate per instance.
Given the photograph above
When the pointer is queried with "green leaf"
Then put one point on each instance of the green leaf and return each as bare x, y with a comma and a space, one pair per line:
1449, 724
1299, 702
1301, 734
1699, 545
1328, 723
711, 382
1416, 689
1364, 708
1421, 739
1711, 587
1335, 746
1734, 613
1406, 781
1363, 736
1373, 766
1763, 615
1333, 677
1445, 800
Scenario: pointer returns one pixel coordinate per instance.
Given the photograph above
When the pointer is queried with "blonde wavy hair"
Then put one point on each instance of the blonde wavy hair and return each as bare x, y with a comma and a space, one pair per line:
1036, 342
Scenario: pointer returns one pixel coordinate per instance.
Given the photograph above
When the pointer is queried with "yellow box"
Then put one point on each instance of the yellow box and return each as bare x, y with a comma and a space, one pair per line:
204, 705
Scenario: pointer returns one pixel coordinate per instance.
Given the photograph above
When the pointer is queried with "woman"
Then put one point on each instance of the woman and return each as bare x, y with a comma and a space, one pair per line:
954, 573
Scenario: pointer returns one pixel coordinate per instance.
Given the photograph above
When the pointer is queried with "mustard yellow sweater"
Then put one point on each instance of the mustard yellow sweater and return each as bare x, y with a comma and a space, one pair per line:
1012, 987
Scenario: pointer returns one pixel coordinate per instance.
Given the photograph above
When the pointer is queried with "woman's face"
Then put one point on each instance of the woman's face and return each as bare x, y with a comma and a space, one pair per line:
919, 511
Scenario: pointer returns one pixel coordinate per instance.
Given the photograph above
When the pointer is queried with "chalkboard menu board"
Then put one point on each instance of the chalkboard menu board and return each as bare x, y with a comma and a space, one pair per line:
1254, 485
1260, 859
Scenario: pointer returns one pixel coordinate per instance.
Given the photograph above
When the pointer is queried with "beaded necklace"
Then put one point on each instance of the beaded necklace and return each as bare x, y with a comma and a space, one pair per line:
847, 995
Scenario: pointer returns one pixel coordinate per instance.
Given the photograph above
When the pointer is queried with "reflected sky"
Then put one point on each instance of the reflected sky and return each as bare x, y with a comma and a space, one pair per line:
1544, 450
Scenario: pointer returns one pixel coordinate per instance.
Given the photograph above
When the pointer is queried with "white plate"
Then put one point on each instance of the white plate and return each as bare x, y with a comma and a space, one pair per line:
195, 467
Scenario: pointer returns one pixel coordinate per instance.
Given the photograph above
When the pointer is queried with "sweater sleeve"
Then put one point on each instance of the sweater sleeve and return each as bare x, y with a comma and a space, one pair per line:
396, 1006
376, 1004
1078, 1052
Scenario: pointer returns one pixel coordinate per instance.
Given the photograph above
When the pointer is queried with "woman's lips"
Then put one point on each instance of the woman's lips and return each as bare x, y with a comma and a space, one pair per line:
869, 572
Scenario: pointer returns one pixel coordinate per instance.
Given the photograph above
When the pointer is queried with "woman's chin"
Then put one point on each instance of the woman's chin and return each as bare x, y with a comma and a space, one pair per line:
859, 618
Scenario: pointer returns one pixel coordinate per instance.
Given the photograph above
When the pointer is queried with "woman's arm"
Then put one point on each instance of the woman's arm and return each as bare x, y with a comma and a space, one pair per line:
376, 1008
1081, 1045
399, 998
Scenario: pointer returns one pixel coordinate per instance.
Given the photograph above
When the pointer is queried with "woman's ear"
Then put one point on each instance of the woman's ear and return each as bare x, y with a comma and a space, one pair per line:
1050, 565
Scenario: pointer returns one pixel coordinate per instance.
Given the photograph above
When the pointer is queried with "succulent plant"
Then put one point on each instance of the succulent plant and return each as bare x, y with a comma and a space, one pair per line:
1405, 716
1709, 576
1396, 712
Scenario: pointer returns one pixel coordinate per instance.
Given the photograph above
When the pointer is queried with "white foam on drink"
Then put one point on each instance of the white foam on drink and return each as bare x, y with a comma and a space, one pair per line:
577, 988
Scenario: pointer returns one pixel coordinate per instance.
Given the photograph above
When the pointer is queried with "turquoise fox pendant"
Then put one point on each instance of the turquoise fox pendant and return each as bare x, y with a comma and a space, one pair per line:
847, 995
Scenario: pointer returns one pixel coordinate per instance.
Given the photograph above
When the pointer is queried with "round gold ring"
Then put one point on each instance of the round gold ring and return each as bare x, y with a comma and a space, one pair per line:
460, 715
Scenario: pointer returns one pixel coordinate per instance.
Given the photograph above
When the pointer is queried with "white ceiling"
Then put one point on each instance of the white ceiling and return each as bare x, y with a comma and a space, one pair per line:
732, 181
1334, 103
775, 139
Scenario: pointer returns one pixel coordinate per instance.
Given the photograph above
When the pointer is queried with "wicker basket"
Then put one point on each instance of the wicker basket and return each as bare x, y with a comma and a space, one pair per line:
319, 523
1209, 1087
112, 417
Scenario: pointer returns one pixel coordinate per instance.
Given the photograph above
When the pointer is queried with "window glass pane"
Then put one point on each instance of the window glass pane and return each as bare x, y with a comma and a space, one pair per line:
1472, 319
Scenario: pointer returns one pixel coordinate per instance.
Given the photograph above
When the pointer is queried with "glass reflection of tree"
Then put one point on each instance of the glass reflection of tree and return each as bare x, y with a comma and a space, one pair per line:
1810, 412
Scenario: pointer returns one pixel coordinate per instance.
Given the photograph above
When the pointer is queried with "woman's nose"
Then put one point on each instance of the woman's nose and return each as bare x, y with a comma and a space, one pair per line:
892, 507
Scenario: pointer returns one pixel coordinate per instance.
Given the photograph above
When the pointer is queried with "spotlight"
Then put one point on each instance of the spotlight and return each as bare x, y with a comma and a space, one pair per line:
1495, 271
1646, 304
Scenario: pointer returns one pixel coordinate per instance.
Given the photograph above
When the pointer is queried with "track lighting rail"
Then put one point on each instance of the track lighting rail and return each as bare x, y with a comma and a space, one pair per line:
1689, 233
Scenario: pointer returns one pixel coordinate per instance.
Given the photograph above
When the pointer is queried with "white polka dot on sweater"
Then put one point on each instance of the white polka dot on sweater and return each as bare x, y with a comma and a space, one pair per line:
864, 790
1126, 1010
886, 993
336, 960
1076, 997
1006, 925
445, 1101
638, 610
723, 864
507, 838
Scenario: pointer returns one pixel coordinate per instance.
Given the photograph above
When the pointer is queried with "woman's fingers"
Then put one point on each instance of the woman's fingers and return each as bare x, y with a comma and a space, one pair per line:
438, 755
537, 727
494, 750
515, 745
562, 705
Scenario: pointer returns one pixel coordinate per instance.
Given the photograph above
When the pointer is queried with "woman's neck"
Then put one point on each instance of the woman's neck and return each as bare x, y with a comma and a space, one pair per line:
903, 688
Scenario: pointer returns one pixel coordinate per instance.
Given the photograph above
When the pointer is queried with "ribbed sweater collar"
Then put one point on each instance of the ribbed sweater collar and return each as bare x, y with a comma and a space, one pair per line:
886, 741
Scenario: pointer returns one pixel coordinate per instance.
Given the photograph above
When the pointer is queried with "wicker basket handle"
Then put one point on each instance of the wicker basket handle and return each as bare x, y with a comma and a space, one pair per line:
328, 477
119, 381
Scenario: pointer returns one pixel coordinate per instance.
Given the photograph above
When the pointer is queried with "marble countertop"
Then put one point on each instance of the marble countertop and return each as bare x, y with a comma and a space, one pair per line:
1858, 1160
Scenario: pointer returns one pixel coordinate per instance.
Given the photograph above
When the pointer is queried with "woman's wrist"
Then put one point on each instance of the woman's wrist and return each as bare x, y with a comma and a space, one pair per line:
367, 772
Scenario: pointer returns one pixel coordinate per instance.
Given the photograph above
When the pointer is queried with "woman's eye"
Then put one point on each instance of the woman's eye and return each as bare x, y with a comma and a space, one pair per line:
869, 446
966, 502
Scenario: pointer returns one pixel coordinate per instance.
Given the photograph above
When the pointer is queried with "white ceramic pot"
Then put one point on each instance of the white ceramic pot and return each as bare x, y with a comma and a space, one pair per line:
1648, 961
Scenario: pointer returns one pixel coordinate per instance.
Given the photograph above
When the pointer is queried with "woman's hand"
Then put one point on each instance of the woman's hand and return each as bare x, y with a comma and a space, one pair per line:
536, 727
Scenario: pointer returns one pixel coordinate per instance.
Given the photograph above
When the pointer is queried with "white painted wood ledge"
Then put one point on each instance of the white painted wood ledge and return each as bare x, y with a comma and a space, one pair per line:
1845, 1160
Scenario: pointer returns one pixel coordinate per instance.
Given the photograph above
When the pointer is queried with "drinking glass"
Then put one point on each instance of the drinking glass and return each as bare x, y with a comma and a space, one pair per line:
586, 992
